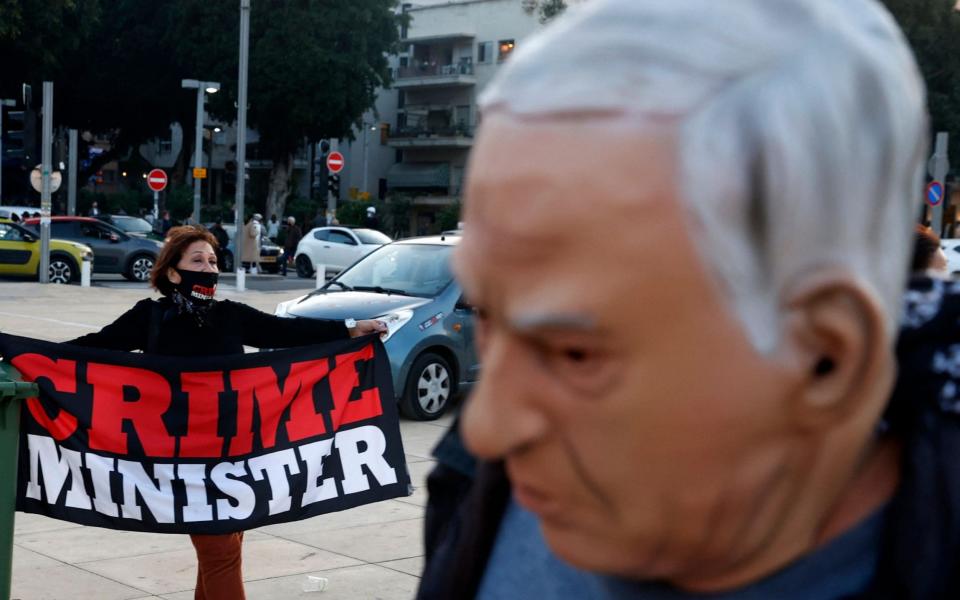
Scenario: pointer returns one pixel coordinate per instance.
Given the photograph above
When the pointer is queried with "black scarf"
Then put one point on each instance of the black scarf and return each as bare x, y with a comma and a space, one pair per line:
921, 555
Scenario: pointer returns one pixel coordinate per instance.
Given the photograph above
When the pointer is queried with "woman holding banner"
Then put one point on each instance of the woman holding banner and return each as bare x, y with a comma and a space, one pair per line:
187, 321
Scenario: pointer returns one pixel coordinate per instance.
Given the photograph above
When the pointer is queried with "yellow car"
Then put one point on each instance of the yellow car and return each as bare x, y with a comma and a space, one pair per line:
20, 254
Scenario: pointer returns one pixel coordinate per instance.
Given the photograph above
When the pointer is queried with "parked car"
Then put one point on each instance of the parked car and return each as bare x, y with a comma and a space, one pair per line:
134, 226
335, 247
20, 254
113, 250
271, 254
430, 339
15, 213
951, 247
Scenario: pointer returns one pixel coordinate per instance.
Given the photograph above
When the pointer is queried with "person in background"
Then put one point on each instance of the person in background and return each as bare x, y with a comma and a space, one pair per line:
702, 383
251, 243
222, 237
273, 228
371, 221
928, 256
189, 321
94, 210
165, 223
290, 242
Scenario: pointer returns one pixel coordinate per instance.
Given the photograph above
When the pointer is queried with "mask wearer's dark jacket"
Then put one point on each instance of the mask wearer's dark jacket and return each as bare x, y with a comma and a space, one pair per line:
920, 558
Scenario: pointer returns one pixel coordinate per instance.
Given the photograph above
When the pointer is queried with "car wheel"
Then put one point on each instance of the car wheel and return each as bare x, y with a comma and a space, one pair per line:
304, 266
227, 262
428, 389
140, 267
62, 269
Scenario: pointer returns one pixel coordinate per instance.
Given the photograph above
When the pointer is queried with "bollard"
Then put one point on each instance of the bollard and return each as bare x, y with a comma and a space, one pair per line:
321, 275
85, 274
12, 391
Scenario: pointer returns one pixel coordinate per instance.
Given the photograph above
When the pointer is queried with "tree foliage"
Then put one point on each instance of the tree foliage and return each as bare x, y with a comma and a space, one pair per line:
547, 10
315, 65
933, 30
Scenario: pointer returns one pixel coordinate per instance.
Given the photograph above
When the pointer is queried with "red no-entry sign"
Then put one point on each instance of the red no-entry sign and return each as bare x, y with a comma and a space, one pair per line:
157, 180
335, 162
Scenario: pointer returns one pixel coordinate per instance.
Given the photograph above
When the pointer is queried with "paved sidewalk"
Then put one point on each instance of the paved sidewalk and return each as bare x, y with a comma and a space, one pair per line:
373, 551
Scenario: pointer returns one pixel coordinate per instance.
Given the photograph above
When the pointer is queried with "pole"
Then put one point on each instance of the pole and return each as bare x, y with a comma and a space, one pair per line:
198, 155
331, 199
242, 139
156, 205
3, 103
366, 154
47, 154
940, 166
72, 175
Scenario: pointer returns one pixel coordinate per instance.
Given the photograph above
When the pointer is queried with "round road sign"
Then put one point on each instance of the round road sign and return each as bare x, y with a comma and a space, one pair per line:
157, 180
335, 162
934, 193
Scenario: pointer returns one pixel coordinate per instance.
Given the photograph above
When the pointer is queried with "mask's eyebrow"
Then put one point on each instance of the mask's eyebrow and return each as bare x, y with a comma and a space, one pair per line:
528, 323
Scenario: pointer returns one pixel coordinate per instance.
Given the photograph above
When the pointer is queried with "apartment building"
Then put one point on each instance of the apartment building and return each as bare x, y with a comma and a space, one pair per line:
418, 141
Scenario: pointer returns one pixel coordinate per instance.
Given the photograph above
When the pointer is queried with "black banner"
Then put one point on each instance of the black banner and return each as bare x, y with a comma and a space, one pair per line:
205, 445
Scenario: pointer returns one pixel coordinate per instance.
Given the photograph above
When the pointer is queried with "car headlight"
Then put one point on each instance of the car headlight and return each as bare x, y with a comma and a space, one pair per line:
283, 309
394, 321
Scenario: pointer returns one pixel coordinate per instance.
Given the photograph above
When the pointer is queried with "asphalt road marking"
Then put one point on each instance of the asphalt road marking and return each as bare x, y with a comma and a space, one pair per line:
72, 323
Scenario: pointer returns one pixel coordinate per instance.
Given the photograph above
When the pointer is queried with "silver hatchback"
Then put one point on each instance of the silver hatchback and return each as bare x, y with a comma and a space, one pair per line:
431, 332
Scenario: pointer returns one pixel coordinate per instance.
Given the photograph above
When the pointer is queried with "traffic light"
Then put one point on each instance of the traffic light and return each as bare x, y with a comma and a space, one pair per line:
13, 138
333, 185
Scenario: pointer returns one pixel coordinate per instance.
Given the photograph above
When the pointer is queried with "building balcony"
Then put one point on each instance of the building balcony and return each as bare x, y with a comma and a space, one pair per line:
434, 75
459, 136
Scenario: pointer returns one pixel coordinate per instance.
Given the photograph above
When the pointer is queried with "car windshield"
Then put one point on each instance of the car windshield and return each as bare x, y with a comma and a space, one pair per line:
132, 224
371, 236
408, 269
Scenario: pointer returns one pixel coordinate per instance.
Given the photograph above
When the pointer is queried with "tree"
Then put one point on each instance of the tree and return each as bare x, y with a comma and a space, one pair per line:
315, 67
933, 30
547, 9
110, 63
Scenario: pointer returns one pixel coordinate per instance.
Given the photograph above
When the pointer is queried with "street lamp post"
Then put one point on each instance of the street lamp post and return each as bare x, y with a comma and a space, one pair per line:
367, 127
2, 104
210, 87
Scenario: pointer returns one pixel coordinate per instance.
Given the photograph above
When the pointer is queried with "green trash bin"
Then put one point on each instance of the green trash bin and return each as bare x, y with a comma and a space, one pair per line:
12, 391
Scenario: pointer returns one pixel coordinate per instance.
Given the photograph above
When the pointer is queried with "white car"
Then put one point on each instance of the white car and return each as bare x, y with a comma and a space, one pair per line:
336, 248
951, 247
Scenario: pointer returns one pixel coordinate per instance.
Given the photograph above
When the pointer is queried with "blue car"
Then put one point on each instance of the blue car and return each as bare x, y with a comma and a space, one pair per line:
430, 341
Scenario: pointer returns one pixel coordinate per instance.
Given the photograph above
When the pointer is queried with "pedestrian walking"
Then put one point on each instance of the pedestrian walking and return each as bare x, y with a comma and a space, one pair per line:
223, 240
94, 210
189, 321
251, 243
273, 228
293, 236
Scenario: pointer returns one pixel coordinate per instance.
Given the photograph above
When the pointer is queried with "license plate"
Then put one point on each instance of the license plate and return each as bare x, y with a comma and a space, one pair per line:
268, 259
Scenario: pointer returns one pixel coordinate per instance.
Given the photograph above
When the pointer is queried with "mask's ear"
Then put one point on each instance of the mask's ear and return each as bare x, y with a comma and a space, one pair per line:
836, 334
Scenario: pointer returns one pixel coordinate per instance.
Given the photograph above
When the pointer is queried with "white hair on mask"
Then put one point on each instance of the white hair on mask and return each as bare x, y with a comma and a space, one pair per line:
801, 127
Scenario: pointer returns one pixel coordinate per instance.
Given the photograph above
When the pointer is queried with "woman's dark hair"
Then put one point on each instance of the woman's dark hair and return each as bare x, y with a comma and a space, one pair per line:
178, 239
925, 246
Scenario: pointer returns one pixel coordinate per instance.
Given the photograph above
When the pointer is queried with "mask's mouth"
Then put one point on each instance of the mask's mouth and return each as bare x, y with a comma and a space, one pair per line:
203, 293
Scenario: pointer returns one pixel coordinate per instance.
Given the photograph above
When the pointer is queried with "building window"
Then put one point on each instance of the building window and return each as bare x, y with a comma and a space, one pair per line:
485, 52
506, 48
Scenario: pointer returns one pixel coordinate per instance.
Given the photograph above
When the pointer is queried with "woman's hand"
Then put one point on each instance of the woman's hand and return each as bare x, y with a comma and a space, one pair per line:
367, 327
